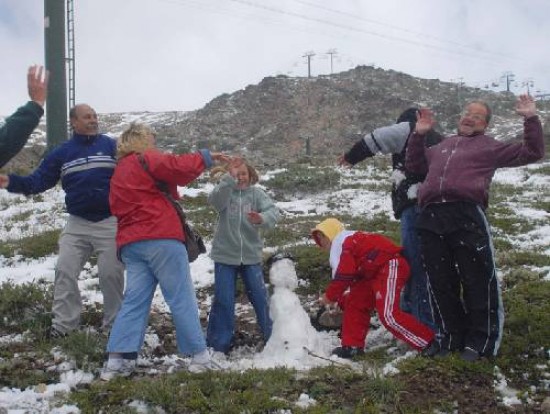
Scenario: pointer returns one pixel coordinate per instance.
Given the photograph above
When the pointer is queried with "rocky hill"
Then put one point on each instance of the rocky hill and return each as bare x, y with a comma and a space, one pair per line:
283, 118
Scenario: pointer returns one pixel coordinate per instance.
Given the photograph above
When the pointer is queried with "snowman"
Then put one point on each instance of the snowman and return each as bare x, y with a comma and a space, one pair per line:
293, 338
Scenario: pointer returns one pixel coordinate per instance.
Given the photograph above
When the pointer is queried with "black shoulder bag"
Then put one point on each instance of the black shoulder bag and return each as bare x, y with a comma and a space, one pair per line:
193, 240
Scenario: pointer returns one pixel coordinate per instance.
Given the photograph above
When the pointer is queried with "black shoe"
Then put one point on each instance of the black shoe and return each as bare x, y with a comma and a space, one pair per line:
431, 350
470, 355
347, 352
54, 333
434, 350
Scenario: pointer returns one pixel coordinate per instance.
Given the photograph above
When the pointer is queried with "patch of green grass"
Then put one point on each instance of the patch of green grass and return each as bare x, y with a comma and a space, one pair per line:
24, 216
526, 332
519, 258
23, 370
85, 348
542, 170
505, 221
312, 265
33, 247
24, 307
303, 179
226, 392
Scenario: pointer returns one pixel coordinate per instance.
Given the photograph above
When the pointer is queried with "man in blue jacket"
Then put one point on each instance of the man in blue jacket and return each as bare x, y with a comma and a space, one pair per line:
85, 164
18, 127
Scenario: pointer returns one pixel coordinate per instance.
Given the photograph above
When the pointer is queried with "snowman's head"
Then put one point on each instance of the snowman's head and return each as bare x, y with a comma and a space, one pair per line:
282, 272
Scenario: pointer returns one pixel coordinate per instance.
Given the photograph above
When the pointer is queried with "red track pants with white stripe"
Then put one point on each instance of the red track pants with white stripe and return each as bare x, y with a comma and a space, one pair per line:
383, 293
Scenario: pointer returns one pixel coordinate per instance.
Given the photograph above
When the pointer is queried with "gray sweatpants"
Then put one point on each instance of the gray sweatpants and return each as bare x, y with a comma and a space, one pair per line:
79, 239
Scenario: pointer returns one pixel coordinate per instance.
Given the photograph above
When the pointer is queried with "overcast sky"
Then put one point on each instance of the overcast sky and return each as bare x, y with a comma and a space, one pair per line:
157, 55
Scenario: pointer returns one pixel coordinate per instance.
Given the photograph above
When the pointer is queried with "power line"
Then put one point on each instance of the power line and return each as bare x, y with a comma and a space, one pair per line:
359, 30
424, 35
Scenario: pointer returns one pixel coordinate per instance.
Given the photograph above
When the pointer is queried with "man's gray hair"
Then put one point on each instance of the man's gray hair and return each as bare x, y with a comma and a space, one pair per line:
487, 107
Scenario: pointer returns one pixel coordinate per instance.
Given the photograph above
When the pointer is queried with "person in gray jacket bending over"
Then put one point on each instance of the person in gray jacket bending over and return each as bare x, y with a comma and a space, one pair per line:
393, 139
456, 242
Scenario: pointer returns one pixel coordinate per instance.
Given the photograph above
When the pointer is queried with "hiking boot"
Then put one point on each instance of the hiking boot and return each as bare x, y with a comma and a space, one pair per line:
347, 352
117, 367
470, 355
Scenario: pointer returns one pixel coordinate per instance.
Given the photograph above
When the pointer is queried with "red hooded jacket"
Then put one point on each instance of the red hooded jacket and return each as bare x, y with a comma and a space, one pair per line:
356, 255
142, 210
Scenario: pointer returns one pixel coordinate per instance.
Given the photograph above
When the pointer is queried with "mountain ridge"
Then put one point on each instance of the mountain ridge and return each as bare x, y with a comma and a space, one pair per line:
285, 118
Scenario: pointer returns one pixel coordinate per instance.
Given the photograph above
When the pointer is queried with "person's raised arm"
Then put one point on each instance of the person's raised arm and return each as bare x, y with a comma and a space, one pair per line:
18, 127
37, 84
415, 159
526, 106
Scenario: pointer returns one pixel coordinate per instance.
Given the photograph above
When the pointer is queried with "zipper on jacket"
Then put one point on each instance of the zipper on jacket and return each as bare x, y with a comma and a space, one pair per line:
241, 221
443, 175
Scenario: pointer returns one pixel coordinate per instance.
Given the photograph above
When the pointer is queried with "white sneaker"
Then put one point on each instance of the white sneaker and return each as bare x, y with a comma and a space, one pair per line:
204, 361
117, 367
200, 366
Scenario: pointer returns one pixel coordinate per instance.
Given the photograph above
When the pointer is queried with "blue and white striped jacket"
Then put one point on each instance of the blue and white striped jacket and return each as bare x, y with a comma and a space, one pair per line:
85, 165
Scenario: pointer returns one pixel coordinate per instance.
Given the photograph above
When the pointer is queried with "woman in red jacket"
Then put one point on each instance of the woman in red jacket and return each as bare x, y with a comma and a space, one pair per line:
368, 272
150, 241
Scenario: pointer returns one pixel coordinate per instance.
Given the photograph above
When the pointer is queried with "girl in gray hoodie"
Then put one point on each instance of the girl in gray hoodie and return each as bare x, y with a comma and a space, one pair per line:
244, 210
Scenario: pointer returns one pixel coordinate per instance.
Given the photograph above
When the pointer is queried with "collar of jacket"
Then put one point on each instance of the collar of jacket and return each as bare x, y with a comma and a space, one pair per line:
84, 139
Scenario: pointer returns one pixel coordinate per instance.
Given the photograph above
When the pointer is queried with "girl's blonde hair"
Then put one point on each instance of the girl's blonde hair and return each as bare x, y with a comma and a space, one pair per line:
217, 172
135, 139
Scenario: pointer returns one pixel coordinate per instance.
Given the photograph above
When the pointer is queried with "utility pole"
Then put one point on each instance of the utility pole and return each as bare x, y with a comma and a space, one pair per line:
71, 52
509, 78
309, 55
528, 83
54, 39
331, 52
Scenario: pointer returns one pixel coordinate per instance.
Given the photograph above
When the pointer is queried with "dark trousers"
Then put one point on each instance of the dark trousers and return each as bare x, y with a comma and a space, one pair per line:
457, 252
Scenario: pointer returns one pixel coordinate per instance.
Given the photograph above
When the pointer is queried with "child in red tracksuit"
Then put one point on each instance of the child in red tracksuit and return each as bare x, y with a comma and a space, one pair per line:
368, 272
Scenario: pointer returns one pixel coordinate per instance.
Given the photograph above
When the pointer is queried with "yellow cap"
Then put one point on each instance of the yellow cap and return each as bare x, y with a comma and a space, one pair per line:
330, 227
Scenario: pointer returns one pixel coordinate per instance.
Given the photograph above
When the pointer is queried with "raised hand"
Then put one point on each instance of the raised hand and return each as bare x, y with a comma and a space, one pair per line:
4, 181
525, 106
37, 84
424, 121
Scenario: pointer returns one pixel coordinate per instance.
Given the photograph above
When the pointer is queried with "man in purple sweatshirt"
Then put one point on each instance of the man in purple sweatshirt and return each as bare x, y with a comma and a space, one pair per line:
456, 243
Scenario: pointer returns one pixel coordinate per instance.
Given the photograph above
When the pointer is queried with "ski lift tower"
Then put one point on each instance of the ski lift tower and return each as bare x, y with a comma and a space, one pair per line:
57, 64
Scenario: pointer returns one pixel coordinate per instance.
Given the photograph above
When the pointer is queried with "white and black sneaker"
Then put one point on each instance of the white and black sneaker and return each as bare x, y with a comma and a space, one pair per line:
117, 367
205, 361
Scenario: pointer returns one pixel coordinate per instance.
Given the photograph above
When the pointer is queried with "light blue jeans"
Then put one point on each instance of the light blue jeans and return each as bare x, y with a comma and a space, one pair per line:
415, 297
221, 323
148, 263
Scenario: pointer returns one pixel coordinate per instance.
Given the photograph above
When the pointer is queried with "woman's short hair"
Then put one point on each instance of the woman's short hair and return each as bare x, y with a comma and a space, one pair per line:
134, 139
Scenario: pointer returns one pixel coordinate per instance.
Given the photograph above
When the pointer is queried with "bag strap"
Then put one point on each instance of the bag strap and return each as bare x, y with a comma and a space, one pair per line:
163, 188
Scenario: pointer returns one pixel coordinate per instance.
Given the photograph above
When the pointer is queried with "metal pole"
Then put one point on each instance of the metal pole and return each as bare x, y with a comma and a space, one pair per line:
54, 36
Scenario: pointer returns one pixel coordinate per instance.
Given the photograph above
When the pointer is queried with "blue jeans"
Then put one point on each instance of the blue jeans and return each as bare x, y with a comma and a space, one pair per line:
148, 263
415, 297
221, 323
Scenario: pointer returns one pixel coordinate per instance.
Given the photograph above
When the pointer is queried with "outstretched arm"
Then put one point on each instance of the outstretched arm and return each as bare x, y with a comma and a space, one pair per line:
526, 106
18, 127
37, 84
415, 159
